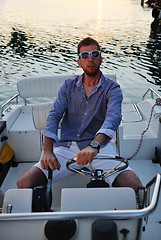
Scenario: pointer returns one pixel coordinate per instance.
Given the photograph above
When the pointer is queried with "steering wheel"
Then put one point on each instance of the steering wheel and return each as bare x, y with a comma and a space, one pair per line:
98, 175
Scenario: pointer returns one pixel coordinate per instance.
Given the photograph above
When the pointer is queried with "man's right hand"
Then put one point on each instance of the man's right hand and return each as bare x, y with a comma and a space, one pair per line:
49, 159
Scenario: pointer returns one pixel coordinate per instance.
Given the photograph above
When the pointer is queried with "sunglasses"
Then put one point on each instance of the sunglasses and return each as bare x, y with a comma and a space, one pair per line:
94, 54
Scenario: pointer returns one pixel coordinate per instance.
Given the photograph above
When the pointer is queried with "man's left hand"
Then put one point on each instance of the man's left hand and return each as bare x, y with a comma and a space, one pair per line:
86, 155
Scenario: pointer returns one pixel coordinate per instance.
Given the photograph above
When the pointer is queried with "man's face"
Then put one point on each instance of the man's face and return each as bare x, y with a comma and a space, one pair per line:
90, 65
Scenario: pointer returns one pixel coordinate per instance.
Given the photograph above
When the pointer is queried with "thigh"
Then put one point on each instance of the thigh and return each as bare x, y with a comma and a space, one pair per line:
107, 165
32, 178
128, 179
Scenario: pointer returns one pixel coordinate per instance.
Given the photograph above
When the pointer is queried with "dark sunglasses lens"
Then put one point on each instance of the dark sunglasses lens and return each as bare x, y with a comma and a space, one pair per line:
95, 54
84, 55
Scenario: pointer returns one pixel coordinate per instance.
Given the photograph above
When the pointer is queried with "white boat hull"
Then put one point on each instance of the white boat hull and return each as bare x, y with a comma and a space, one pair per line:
112, 206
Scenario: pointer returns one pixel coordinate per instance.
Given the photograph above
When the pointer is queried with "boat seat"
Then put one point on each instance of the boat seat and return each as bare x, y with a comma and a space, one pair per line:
19, 199
97, 199
75, 199
40, 114
43, 87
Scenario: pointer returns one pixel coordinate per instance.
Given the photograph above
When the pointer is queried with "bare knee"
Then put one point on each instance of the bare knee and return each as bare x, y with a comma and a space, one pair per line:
20, 183
32, 178
128, 179
23, 182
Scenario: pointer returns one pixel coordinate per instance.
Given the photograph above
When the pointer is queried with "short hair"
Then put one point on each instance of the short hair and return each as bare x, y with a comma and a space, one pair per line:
86, 42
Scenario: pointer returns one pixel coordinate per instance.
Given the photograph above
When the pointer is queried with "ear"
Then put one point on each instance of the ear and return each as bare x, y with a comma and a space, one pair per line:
79, 62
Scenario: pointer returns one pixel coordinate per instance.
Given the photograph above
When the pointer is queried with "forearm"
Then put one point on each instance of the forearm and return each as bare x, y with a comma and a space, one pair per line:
48, 158
102, 139
87, 154
48, 144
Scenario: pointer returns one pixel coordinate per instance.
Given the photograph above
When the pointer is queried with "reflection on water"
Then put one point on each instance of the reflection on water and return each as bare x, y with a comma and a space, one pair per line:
18, 42
40, 37
154, 53
154, 44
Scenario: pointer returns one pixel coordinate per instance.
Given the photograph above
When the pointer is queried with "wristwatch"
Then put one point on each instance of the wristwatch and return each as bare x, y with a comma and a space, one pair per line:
95, 144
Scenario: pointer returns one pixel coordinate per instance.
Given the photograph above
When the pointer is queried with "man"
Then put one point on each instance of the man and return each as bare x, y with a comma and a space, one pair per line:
90, 108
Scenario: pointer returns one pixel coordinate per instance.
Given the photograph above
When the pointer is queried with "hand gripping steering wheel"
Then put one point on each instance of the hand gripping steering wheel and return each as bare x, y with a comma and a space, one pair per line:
98, 176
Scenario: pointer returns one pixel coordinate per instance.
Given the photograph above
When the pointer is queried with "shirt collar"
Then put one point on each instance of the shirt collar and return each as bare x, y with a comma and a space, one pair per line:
100, 83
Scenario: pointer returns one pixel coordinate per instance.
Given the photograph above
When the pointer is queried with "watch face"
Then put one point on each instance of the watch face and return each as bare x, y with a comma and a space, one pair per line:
94, 144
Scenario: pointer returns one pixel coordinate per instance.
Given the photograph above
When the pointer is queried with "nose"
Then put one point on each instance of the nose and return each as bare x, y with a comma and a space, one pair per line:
90, 58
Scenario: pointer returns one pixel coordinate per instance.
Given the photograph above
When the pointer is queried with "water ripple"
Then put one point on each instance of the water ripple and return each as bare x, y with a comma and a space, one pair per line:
36, 42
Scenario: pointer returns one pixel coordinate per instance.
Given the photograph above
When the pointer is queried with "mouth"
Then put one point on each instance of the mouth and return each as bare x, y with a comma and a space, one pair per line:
91, 66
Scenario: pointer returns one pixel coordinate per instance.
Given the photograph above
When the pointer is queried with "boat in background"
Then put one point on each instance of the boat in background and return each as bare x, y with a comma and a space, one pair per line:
68, 209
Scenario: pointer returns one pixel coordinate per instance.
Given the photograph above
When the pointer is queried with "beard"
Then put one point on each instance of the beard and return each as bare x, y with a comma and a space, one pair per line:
92, 73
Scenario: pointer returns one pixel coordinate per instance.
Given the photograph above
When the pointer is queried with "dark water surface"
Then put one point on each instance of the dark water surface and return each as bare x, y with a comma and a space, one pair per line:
39, 38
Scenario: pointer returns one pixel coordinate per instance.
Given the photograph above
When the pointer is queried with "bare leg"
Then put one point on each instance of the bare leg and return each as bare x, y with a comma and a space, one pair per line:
127, 179
32, 178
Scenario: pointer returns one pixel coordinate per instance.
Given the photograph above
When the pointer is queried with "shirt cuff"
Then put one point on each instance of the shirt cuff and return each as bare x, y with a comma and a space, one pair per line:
110, 133
50, 135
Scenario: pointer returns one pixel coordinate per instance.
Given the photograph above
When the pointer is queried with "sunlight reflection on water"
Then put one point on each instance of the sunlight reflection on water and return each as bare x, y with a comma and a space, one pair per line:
40, 38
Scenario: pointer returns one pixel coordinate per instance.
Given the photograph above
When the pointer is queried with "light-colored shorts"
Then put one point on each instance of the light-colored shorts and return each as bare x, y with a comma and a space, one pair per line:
63, 154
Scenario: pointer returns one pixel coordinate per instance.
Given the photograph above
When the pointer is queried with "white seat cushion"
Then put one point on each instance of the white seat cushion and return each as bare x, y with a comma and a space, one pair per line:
40, 114
97, 199
45, 87
20, 199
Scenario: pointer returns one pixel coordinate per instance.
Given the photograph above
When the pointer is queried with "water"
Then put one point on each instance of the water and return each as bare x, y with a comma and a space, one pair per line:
40, 37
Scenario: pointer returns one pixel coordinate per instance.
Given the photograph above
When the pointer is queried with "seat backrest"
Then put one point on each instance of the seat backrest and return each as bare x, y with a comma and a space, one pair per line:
97, 199
40, 114
41, 87
45, 87
19, 199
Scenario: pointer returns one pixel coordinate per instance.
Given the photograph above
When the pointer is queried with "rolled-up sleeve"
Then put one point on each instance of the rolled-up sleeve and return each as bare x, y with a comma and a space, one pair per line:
113, 113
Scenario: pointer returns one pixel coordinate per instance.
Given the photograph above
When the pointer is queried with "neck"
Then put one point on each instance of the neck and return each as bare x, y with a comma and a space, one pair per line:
91, 80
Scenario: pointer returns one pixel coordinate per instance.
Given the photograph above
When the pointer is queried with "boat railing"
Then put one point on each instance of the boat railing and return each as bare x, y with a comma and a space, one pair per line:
6, 103
152, 92
109, 214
